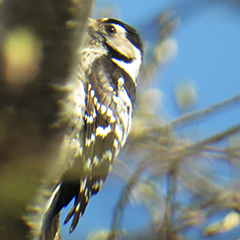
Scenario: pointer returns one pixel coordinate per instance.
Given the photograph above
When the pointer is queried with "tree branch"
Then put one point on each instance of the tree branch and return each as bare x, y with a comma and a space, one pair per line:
198, 115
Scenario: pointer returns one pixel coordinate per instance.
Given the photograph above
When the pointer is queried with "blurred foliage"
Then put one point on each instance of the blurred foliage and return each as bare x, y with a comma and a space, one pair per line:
22, 53
38, 50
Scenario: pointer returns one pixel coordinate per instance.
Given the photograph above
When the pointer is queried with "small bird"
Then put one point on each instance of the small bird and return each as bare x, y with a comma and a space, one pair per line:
110, 63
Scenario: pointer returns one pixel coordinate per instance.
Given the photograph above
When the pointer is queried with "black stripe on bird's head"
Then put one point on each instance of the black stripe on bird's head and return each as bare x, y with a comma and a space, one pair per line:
130, 32
121, 40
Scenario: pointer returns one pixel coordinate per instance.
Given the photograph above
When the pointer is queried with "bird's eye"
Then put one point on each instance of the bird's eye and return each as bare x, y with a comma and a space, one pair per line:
110, 29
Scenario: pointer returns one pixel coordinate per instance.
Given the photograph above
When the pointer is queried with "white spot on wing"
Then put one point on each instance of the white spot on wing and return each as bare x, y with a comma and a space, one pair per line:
103, 132
89, 86
87, 142
115, 99
95, 185
119, 132
99, 131
87, 165
93, 137
92, 93
95, 100
80, 150
77, 208
109, 112
83, 184
107, 155
103, 109
112, 119
110, 88
89, 119
115, 143
86, 195
95, 161
98, 106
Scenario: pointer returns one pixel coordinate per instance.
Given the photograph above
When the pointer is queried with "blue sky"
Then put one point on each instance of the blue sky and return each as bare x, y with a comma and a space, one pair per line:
208, 40
208, 52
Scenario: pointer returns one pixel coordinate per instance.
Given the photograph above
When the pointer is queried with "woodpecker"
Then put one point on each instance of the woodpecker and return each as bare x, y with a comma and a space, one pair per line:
110, 63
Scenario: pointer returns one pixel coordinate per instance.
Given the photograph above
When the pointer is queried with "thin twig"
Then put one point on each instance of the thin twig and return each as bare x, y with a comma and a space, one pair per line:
119, 209
168, 221
194, 148
197, 115
213, 139
150, 160
193, 116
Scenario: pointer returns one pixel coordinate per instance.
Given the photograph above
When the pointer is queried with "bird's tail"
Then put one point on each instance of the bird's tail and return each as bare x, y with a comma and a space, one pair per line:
50, 228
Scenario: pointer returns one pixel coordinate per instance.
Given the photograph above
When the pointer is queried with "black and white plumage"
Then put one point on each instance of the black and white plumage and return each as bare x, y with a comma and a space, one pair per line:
110, 62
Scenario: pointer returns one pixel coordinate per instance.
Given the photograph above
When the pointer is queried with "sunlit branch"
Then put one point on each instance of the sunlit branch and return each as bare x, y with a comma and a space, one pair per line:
198, 115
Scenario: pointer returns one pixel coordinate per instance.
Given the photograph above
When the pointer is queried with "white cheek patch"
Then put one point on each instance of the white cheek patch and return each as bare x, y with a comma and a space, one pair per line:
131, 68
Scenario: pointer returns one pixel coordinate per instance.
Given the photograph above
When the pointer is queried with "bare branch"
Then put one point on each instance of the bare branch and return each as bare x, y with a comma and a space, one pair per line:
198, 115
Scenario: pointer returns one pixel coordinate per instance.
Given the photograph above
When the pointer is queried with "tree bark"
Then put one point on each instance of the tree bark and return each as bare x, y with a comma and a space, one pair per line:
29, 103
